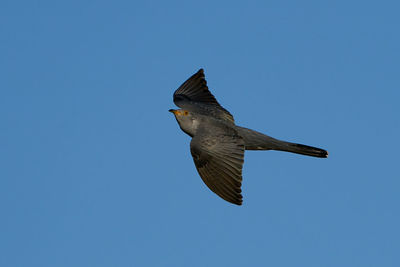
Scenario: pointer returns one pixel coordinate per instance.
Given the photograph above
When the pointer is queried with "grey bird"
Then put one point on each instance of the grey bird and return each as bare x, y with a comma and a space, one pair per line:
218, 145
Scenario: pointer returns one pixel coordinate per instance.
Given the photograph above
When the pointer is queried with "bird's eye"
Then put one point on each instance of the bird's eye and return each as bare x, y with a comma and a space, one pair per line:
185, 113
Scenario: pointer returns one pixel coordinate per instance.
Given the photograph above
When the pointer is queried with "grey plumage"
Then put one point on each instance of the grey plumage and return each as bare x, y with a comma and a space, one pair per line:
218, 144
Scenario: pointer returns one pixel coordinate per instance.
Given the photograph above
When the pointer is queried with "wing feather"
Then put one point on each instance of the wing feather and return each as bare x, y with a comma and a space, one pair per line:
193, 95
219, 160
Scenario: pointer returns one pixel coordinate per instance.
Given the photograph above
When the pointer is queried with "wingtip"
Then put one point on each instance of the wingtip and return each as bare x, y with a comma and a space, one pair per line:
238, 201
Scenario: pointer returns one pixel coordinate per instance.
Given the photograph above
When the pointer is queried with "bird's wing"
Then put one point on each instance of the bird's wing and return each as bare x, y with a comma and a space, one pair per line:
219, 160
193, 95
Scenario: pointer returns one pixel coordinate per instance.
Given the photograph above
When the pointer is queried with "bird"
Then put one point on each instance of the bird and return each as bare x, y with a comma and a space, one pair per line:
218, 144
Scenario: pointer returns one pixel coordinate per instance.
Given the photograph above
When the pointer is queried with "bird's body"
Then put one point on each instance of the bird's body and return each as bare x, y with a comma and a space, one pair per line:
218, 144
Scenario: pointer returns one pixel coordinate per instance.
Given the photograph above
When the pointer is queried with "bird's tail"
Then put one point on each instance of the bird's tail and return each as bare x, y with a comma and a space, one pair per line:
257, 141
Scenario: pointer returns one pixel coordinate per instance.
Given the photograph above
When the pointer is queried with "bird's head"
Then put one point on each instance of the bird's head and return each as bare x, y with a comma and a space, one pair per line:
186, 120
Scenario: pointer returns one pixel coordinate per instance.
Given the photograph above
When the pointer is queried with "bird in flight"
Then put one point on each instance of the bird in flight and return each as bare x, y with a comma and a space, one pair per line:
218, 144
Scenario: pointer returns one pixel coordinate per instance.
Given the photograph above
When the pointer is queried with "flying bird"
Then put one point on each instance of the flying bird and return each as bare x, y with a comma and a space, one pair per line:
218, 144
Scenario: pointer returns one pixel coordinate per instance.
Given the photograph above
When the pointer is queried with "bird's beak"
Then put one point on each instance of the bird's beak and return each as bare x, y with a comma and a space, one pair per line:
172, 110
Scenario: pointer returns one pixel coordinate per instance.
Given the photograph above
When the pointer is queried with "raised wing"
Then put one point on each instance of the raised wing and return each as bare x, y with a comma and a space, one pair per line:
219, 160
193, 95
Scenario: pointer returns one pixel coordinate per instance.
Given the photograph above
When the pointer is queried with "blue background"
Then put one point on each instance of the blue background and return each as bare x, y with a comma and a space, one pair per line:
96, 172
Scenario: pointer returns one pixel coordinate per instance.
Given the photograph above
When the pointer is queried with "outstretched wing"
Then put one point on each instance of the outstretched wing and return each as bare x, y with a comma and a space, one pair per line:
219, 160
193, 95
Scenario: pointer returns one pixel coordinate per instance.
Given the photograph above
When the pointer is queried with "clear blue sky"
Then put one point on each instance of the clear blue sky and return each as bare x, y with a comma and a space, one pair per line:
96, 172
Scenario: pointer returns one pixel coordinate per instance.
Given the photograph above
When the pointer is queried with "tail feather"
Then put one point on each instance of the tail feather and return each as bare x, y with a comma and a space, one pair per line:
257, 141
303, 149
